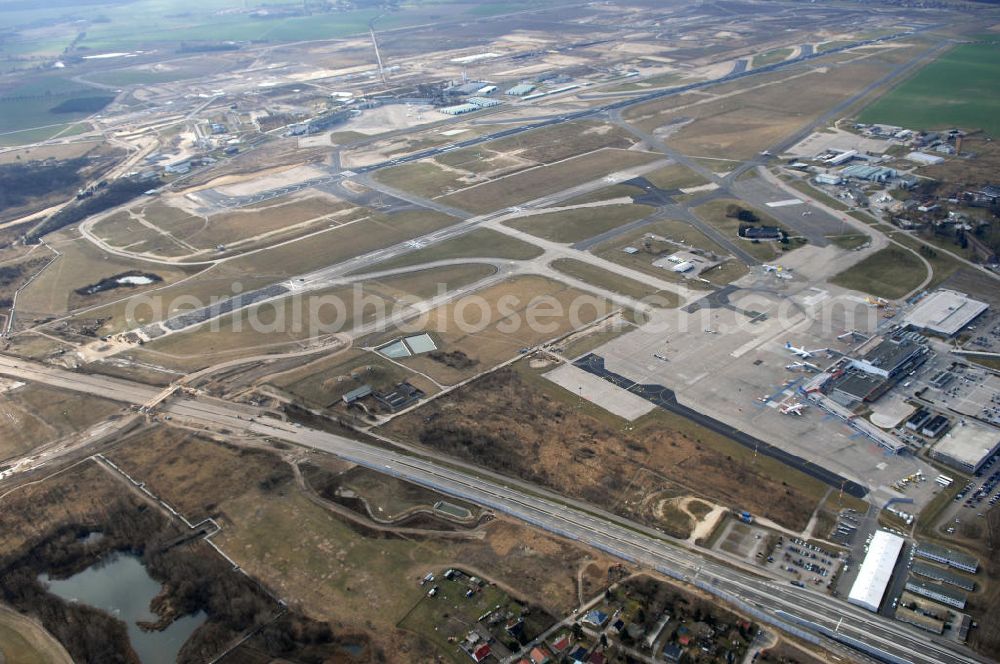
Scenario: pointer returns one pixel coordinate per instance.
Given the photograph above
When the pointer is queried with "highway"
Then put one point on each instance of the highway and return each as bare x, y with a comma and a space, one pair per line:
616, 536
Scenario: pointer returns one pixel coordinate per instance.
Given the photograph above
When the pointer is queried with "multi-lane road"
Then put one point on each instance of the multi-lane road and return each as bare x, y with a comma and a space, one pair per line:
618, 537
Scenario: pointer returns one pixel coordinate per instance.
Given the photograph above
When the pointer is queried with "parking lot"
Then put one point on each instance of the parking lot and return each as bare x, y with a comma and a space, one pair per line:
981, 494
971, 392
985, 334
804, 563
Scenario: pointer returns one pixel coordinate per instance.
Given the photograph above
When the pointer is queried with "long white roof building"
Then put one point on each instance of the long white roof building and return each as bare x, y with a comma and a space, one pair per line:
876, 571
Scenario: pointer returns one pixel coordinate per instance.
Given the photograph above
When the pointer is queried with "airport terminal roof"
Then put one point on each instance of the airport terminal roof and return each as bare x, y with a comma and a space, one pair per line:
890, 353
945, 312
876, 571
968, 445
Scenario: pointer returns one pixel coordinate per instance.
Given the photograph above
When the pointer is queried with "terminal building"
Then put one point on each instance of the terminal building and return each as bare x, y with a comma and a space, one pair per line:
944, 313
892, 357
875, 574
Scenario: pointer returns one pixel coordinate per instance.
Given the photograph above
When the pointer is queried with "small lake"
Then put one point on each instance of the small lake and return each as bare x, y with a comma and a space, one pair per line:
121, 586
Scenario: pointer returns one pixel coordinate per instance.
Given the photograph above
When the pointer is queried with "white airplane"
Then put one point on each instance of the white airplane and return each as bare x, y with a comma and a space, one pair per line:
802, 365
792, 408
802, 352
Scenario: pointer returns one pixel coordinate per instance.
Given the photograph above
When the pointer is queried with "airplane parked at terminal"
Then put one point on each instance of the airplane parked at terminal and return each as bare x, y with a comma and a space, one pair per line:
802, 352
792, 408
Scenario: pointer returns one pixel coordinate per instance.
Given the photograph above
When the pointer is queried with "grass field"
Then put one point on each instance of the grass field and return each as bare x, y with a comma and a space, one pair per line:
849, 241
480, 243
574, 225
497, 322
758, 112
82, 264
675, 176
942, 264
714, 213
321, 383
33, 415
518, 422
676, 231
615, 282
22, 641
25, 107
890, 273
959, 89
282, 325
424, 178
771, 57
538, 182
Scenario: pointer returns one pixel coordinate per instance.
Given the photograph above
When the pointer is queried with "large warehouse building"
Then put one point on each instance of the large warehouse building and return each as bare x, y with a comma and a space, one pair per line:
876, 571
945, 312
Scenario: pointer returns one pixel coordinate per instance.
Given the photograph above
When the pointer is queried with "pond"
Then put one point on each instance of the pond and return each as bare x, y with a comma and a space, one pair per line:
121, 586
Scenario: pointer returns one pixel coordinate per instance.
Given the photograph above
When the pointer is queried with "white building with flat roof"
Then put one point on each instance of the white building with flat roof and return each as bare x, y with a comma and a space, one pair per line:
945, 312
875, 574
967, 446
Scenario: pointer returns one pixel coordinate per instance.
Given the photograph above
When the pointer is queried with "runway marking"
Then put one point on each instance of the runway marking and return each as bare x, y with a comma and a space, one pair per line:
784, 203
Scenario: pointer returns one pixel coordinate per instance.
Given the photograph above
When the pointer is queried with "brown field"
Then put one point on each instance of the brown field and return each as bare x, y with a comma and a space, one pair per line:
675, 176
279, 263
454, 170
379, 230
82, 264
579, 224
34, 415
356, 578
561, 141
496, 334
289, 323
538, 182
23, 641
181, 233
424, 178
772, 106
480, 243
321, 383
615, 282
515, 422
714, 213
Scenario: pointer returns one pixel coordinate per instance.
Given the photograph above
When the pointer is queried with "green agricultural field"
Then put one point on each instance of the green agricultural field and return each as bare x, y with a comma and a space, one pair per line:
959, 89
27, 108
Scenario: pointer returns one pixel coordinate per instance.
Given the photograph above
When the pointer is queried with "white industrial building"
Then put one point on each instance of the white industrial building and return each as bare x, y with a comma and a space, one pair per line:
924, 158
876, 571
945, 312
459, 109
967, 447
519, 90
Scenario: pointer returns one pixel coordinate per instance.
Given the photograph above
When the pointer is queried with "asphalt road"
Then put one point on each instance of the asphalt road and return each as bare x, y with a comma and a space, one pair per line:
618, 537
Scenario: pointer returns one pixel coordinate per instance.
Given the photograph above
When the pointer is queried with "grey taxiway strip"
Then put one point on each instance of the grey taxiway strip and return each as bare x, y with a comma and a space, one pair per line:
616, 537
